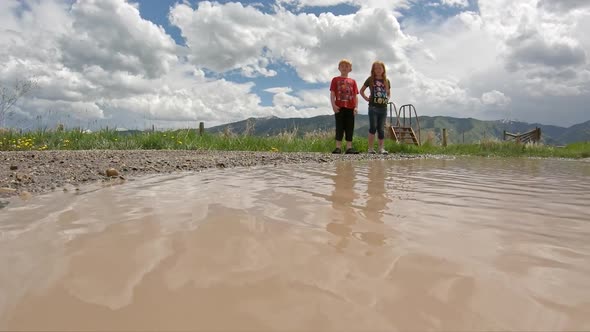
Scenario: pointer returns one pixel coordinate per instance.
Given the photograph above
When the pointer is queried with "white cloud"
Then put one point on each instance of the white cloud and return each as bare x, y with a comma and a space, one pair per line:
564, 5
225, 37
116, 42
455, 3
229, 37
100, 60
388, 4
312, 45
532, 55
305, 103
314, 3
495, 98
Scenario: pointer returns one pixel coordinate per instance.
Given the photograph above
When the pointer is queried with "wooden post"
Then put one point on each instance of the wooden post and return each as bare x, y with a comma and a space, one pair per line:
504, 135
201, 128
444, 137
153, 128
463, 137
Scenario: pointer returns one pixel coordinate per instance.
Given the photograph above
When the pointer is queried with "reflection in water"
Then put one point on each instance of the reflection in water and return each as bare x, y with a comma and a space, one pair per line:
346, 213
466, 244
343, 195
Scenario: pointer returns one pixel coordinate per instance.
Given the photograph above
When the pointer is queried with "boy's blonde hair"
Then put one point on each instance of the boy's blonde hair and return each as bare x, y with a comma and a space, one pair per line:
344, 61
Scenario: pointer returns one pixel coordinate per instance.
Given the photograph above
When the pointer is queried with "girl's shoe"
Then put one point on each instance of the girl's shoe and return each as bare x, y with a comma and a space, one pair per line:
383, 151
337, 151
371, 151
351, 151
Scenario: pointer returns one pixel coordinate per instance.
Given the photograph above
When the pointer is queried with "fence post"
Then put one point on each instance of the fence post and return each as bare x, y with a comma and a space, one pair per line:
201, 128
444, 138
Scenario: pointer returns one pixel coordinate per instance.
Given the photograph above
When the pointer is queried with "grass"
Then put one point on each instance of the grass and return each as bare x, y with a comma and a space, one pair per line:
189, 139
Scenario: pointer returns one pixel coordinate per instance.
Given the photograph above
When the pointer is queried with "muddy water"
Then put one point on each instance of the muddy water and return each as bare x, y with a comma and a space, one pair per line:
466, 244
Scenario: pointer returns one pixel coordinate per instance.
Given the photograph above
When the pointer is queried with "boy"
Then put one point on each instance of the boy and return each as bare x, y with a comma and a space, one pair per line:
343, 95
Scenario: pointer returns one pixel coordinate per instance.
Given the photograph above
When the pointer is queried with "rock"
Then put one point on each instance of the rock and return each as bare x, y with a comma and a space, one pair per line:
13, 167
7, 190
111, 172
25, 195
22, 177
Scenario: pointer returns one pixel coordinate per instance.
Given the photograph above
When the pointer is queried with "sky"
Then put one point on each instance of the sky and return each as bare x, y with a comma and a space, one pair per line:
173, 64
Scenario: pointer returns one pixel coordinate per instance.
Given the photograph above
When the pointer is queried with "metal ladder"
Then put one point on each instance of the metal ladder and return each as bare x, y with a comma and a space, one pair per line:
403, 130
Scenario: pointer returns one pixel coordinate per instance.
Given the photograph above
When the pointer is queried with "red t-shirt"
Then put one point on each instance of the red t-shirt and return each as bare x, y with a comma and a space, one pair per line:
345, 90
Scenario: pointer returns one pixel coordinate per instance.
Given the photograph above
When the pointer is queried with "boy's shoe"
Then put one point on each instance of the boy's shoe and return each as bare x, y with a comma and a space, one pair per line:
337, 151
371, 151
383, 151
351, 151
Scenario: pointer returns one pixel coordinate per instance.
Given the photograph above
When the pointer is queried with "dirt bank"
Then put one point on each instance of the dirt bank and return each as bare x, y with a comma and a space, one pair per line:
33, 172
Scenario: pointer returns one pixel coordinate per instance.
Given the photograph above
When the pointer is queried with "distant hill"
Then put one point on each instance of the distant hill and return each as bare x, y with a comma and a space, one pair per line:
576, 133
459, 130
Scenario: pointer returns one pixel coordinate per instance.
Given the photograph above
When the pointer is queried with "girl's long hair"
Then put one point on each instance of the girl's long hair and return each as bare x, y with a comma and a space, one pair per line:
384, 73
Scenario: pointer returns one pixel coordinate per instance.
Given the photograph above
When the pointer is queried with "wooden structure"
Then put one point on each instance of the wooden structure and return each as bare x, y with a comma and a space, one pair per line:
404, 127
533, 136
201, 128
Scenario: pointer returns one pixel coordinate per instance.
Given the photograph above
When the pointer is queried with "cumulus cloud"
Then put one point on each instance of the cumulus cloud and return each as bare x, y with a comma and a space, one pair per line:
532, 55
122, 41
455, 3
528, 47
495, 98
100, 60
389, 4
225, 37
230, 36
563, 5
305, 103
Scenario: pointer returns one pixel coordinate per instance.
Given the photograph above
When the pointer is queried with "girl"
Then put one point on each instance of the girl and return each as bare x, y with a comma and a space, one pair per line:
379, 97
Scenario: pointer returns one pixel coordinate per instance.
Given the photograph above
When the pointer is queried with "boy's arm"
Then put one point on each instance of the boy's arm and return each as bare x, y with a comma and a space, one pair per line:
335, 108
356, 102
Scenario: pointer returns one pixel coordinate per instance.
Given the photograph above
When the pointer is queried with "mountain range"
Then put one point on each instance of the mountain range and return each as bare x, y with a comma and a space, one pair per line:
459, 130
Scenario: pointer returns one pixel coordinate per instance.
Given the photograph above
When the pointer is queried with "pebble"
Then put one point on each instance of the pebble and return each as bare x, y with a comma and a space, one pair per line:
111, 172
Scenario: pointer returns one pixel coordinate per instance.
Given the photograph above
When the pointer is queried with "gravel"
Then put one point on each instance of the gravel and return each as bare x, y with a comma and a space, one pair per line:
26, 173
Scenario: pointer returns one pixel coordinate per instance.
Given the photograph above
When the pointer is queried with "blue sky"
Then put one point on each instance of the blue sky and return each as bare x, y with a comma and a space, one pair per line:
172, 64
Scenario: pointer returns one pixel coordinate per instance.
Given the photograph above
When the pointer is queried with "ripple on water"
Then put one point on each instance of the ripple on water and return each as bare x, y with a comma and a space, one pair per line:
469, 243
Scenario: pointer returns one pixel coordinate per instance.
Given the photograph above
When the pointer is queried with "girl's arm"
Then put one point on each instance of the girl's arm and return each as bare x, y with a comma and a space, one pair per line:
388, 89
363, 93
